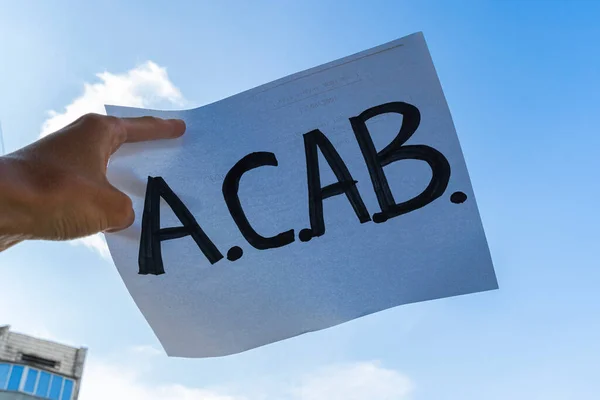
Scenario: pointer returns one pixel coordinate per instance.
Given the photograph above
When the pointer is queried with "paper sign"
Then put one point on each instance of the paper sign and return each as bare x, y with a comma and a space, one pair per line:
301, 204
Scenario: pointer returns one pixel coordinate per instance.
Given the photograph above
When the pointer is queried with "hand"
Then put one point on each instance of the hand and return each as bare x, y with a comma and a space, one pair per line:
56, 188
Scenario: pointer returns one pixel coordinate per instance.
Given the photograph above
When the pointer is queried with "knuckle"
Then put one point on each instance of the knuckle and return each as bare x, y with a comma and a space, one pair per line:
92, 119
94, 124
110, 120
118, 129
104, 127
152, 120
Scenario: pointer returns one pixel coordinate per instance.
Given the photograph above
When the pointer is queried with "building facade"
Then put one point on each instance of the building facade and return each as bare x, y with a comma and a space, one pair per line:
32, 368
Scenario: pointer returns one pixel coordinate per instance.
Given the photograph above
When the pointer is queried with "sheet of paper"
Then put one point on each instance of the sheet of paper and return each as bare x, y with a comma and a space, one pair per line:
301, 204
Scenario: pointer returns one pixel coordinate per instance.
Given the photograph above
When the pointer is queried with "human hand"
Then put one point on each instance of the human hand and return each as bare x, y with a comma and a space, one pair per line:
56, 188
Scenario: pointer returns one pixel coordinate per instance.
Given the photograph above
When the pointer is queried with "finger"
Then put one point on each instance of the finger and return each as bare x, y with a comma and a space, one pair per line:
151, 128
117, 209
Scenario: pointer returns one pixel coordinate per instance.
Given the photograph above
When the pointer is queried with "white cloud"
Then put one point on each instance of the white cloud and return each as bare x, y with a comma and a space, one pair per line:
358, 381
353, 381
146, 350
103, 381
147, 86
95, 243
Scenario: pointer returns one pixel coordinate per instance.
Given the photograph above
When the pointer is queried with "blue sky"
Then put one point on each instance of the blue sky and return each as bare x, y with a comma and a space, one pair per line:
522, 79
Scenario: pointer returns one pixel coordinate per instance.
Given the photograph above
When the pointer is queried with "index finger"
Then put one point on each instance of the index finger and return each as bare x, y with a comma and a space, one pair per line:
151, 128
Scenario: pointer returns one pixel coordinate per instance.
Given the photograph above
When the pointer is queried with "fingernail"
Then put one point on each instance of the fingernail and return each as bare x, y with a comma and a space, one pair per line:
180, 124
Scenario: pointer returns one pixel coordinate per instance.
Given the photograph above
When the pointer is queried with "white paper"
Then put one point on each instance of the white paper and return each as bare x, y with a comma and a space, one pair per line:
201, 310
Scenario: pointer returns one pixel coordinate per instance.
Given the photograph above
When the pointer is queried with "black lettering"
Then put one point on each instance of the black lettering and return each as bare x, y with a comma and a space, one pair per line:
395, 151
316, 194
150, 257
231, 185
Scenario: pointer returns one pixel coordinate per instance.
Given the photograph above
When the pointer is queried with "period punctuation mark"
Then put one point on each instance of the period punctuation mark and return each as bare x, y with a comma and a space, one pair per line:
305, 235
235, 253
458, 197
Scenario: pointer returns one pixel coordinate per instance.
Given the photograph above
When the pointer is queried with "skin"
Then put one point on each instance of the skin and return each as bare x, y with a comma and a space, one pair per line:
56, 188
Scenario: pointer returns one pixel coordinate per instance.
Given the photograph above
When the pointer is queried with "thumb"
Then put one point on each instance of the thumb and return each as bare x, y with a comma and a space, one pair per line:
117, 209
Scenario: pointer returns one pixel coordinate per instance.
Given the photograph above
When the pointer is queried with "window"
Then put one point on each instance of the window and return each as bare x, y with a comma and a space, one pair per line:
4, 372
15, 377
21, 378
67, 390
31, 358
44, 382
32, 375
55, 387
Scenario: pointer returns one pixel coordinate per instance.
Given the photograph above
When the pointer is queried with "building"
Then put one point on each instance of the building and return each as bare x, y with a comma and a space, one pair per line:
32, 368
